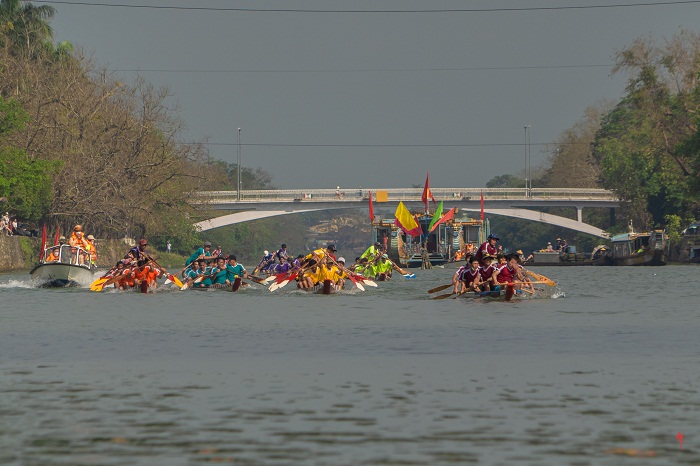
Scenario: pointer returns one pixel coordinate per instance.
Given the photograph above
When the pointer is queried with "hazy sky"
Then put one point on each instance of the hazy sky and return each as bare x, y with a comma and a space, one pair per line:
373, 99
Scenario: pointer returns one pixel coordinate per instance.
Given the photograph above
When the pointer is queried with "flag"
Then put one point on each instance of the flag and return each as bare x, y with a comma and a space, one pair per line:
450, 215
405, 221
436, 217
426, 192
371, 207
482, 205
57, 236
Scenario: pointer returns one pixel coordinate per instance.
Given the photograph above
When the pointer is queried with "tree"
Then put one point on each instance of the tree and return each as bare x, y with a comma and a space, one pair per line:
25, 184
25, 26
645, 145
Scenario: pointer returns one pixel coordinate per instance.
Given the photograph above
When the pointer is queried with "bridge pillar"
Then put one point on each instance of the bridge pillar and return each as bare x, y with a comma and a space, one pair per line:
579, 213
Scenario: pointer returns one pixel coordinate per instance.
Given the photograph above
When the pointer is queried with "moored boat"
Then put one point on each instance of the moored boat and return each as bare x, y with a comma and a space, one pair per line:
439, 245
567, 257
639, 248
62, 266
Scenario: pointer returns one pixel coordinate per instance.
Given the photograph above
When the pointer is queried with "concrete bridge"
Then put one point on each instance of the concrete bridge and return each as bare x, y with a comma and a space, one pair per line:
512, 202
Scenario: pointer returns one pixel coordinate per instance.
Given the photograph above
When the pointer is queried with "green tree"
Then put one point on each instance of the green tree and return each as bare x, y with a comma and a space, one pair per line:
645, 146
25, 26
25, 184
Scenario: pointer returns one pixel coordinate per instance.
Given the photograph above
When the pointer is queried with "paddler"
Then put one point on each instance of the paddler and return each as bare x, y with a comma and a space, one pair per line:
384, 268
508, 273
487, 273
201, 253
470, 278
488, 247
137, 253
234, 269
217, 276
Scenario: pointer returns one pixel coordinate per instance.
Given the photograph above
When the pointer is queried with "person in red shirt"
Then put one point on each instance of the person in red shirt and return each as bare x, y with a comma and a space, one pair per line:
509, 272
470, 279
488, 247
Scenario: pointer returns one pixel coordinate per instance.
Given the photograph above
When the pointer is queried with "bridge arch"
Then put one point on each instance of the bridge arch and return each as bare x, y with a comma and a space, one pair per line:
525, 214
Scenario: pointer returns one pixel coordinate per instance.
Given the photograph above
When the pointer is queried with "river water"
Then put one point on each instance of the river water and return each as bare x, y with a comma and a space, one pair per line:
601, 370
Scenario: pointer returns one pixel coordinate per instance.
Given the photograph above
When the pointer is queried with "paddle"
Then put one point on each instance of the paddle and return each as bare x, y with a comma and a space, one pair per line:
443, 296
439, 288
108, 282
402, 271
540, 278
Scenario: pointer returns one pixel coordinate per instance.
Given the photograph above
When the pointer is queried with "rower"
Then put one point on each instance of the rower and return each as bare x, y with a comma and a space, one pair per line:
487, 273
217, 276
506, 274
137, 253
204, 251
470, 279
234, 269
488, 247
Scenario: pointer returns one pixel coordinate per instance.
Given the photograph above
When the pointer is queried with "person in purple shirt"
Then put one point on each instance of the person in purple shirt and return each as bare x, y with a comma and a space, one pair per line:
282, 267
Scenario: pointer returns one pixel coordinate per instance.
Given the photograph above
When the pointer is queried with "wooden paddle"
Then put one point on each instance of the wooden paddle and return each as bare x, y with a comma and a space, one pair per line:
109, 281
402, 271
443, 296
169, 276
439, 288
540, 278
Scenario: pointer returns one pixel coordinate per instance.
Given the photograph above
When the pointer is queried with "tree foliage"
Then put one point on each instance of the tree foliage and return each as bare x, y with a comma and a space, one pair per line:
25, 184
647, 145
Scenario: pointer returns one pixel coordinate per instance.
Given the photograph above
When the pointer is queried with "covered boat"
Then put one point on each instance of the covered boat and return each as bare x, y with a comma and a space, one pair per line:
62, 266
639, 248
440, 245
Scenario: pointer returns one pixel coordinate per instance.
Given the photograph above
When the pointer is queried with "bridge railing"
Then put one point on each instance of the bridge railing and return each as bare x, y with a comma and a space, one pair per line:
401, 194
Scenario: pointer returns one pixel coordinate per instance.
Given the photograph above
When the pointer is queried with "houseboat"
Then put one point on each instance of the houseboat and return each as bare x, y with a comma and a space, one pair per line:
639, 248
460, 234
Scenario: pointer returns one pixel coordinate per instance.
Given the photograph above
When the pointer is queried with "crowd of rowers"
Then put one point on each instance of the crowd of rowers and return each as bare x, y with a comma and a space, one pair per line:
490, 270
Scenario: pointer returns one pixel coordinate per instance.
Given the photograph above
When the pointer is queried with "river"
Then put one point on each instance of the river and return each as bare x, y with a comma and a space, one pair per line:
602, 370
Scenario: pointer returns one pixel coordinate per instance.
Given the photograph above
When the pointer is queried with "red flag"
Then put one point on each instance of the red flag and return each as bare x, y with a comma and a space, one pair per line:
43, 243
450, 215
371, 207
57, 236
482, 205
426, 192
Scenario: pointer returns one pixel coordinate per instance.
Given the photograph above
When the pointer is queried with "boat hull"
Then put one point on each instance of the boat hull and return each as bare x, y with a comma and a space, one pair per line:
57, 275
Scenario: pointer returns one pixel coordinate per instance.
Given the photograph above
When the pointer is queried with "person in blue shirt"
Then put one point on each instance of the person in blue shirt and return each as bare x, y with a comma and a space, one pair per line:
281, 253
200, 253
218, 274
234, 269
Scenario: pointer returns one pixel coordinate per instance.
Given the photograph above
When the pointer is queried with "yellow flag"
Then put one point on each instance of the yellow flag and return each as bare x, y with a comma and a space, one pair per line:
405, 221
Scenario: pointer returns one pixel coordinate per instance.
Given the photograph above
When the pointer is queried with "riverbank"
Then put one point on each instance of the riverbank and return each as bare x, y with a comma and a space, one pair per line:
22, 253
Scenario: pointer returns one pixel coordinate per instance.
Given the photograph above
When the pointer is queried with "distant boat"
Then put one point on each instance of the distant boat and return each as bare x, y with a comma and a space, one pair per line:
465, 234
567, 257
639, 248
73, 268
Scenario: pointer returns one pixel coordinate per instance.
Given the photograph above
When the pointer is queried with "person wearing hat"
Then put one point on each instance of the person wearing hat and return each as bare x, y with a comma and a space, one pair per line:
487, 247
138, 253
201, 253
549, 246
266, 264
373, 252
91, 249
77, 240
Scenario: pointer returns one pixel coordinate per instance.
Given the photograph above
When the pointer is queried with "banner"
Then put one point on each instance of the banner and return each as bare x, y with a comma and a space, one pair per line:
450, 215
426, 192
405, 221
371, 207
436, 217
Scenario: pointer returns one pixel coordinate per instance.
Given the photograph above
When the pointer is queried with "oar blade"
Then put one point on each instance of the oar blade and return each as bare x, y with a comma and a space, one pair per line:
369, 282
443, 296
439, 288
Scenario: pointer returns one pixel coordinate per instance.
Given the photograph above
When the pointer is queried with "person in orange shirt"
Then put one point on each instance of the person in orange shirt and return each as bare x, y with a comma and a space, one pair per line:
91, 249
54, 255
77, 240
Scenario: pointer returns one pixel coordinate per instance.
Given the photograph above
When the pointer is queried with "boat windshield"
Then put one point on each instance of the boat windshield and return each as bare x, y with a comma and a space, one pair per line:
66, 254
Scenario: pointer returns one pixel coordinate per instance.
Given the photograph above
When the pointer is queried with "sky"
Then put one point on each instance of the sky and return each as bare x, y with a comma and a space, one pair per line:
373, 100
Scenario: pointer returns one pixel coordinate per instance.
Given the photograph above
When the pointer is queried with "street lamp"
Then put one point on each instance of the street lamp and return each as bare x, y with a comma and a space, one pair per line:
238, 188
528, 181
